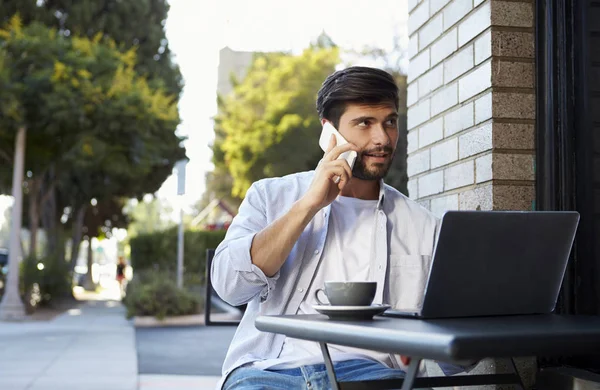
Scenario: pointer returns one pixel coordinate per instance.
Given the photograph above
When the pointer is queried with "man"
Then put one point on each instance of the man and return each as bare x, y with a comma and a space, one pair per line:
334, 223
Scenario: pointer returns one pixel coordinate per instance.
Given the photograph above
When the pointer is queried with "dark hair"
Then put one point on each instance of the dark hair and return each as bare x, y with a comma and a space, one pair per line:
357, 84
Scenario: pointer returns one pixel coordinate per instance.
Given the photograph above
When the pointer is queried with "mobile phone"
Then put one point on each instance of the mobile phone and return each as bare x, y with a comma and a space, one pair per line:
328, 130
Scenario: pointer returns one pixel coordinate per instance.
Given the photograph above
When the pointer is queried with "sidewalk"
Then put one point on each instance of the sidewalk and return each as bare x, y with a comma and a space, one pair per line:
92, 347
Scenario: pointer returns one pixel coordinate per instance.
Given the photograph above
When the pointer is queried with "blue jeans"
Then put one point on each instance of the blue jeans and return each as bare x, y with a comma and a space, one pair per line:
312, 377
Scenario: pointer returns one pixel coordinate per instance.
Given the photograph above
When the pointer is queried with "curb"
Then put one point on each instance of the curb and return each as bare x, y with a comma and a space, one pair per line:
187, 320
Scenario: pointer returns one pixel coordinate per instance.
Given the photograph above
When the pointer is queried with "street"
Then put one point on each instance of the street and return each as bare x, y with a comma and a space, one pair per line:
194, 350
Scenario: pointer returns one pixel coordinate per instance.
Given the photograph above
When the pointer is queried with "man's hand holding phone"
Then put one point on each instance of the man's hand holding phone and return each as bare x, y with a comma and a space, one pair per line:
331, 176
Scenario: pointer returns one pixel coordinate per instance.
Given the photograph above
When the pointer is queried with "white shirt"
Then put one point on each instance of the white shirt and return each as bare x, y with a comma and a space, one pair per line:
347, 257
404, 236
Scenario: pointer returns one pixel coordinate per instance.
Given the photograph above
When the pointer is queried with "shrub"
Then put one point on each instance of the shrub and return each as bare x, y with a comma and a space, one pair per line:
43, 286
158, 251
155, 293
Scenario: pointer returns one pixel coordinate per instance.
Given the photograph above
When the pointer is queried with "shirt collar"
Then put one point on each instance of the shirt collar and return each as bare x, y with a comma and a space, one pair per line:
381, 194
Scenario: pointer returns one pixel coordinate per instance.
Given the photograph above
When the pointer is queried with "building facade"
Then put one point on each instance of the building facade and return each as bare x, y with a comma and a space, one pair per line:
504, 114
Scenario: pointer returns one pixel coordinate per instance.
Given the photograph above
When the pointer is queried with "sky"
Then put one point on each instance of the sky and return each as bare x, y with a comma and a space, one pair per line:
198, 29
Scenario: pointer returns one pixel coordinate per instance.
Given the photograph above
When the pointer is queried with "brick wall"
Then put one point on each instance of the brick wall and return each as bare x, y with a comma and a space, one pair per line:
471, 113
471, 104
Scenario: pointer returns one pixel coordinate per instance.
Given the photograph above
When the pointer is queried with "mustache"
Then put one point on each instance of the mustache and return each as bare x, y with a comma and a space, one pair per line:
385, 149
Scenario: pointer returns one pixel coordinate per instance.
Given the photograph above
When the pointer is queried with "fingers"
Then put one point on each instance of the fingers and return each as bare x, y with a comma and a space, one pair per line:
332, 143
344, 164
338, 174
334, 153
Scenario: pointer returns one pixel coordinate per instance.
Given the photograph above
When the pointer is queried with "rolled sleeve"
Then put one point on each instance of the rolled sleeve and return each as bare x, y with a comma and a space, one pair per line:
241, 261
235, 278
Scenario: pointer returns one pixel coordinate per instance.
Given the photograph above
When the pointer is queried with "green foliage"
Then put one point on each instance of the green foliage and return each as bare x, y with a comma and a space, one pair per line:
155, 293
268, 126
135, 24
158, 251
95, 127
51, 283
148, 216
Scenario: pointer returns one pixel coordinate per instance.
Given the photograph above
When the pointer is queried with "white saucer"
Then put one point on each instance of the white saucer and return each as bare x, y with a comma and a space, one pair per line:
351, 312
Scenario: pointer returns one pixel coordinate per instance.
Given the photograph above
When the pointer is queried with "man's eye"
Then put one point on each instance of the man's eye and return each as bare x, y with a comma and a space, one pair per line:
391, 122
364, 123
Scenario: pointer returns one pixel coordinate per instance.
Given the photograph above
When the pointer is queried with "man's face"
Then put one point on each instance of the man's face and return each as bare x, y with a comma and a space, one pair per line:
374, 129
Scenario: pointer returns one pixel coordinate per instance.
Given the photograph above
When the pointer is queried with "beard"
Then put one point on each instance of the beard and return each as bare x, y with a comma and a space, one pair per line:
374, 171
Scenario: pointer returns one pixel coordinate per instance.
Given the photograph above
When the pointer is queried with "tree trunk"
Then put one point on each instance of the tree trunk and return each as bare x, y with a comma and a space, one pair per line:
49, 213
89, 281
77, 235
34, 215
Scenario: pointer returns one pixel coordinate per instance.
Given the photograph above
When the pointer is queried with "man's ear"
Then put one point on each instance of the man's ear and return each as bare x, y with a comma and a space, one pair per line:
323, 121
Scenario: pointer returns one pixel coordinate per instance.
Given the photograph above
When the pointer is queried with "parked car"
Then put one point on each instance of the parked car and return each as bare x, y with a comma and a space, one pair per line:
3, 268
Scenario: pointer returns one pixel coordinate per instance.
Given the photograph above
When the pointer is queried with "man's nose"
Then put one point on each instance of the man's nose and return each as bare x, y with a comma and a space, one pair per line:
380, 135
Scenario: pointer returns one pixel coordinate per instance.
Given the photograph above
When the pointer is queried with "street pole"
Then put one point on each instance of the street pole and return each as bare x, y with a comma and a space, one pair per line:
11, 307
180, 249
180, 166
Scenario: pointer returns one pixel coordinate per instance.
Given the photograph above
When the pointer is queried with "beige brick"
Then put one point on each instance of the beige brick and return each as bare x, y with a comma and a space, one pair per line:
412, 139
483, 168
513, 167
444, 203
431, 81
475, 82
412, 4
513, 105
475, 141
513, 74
431, 132
445, 46
483, 47
513, 197
474, 24
513, 44
444, 153
412, 94
413, 46
479, 198
458, 120
430, 32
483, 108
455, 11
412, 186
417, 163
432, 183
514, 14
418, 17
459, 175
436, 5
418, 113
418, 65
458, 64
514, 136
444, 99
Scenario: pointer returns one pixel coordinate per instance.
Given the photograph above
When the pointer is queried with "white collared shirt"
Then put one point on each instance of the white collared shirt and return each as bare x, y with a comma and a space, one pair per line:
404, 238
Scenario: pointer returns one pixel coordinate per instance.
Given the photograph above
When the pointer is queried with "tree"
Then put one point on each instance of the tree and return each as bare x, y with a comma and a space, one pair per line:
148, 216
268, 126
96, 128
135, 24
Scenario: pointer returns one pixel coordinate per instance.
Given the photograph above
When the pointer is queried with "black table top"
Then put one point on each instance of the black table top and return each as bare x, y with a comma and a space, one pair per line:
449, 339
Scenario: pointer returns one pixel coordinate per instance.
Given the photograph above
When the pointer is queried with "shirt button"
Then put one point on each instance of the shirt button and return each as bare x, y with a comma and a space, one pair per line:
380, 267
300, 290
317, 252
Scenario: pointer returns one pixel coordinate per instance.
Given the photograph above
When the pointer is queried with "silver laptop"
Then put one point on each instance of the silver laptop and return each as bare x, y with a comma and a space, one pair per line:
489, 263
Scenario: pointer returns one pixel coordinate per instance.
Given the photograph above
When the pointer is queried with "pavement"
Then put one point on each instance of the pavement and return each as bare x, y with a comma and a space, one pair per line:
93, 347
